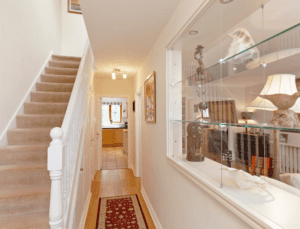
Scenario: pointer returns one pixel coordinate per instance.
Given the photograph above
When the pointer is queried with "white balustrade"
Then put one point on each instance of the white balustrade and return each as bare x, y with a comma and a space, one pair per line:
65, 151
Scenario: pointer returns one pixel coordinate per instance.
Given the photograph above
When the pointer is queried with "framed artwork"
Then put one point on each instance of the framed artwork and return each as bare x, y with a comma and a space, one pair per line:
283, 138
150, 99
74, 7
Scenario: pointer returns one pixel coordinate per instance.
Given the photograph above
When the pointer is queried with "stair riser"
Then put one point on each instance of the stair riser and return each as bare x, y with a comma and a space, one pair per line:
24, 205
53, 87
66, 58
61, 71
57, 64
36, 122
49, 98
28, 137
24, 177
9, 158
57, 79
32, 108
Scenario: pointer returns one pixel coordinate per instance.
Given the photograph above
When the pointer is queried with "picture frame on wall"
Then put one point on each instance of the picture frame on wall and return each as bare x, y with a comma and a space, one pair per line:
283, 138
150, 99
74, 7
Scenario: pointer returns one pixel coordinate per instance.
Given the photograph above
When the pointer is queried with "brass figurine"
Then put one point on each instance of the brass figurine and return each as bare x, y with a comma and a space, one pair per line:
194, 140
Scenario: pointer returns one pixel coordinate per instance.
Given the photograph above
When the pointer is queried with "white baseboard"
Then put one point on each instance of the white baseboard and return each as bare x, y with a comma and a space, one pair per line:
151, 210
20, 110
85, 211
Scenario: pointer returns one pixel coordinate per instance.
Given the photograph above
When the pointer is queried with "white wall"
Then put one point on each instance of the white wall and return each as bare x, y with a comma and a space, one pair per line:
74, 33
177, 201
29, 31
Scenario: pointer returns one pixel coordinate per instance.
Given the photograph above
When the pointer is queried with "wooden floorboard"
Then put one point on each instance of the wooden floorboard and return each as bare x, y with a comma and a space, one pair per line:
115, 183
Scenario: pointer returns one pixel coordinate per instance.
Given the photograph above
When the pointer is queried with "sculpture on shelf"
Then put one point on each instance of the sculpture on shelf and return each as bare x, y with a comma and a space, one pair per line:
227, 156
246, 181
199, 56
242, 40
194, 140
284, 117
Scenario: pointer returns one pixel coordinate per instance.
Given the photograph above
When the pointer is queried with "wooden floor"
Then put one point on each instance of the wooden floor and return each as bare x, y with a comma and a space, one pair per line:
114, 183
113, 158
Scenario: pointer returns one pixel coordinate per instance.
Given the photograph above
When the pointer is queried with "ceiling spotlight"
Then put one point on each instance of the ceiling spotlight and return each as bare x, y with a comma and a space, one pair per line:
225, 1
124, 76
193, 32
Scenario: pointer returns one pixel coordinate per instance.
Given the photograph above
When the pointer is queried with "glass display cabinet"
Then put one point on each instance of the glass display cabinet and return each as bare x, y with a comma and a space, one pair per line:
233, 103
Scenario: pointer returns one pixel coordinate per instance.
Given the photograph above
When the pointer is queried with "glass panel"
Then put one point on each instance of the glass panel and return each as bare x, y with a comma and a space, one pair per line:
223, 84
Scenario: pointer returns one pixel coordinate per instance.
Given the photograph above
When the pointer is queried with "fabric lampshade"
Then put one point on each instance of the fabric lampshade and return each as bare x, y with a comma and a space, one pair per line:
277, 84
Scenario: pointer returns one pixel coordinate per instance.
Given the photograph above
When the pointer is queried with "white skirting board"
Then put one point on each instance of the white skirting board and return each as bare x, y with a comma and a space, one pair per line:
151, 210
85, 211
20, 110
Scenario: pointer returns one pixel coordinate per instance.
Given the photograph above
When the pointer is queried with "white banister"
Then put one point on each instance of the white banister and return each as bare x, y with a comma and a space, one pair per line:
55, 167
68, 146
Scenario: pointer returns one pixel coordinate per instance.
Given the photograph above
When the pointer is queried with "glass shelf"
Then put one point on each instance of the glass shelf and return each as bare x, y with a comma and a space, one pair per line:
220, 70
260, 126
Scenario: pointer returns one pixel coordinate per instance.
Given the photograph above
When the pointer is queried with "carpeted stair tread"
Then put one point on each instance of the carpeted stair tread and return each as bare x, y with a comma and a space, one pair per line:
54, 87
57, 78
52, 97
16, 200
26, 221
29, 136
45, 108
64, 64
66, 58
23, 190
39, 121
30, 166
20, 154
61, 71
25, 174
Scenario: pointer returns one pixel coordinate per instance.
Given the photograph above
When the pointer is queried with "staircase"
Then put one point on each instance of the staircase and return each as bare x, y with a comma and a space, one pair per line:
24, 179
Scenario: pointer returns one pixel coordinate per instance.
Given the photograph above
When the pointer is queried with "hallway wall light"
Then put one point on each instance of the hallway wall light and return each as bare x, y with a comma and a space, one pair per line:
113, 75
124, 76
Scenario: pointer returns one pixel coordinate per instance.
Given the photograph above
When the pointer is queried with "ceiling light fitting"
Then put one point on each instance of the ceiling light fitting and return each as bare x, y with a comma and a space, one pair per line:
193, 32
116, 70
225, 1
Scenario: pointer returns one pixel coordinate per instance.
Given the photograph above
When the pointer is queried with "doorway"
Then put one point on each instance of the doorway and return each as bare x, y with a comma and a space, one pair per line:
114, 133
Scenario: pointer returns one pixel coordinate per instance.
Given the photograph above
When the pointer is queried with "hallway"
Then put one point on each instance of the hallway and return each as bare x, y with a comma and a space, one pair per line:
113, 158
114, 183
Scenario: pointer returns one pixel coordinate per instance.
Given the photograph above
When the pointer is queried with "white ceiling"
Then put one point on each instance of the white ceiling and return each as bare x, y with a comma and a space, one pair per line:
122, 32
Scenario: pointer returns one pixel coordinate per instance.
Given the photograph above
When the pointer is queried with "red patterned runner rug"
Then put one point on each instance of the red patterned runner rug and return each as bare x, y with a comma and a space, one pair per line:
120, 212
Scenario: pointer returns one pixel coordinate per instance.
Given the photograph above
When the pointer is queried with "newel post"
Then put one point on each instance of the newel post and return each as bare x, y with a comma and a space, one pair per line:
55, 167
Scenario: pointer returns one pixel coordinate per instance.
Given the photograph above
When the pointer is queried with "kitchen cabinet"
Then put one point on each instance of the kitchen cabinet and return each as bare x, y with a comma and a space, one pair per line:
112, 137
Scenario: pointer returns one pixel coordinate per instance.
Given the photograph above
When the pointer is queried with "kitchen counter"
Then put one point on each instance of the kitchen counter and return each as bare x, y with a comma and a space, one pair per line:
114, 128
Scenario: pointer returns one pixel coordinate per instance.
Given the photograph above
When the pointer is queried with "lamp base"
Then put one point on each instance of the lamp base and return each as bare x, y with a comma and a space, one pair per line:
286, 118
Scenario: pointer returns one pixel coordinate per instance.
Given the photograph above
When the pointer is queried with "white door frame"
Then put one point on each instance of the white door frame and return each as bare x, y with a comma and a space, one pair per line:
129, 108
99, 130
138, 132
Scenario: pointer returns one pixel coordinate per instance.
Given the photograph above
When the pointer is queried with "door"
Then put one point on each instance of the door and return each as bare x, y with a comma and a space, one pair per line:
118, 137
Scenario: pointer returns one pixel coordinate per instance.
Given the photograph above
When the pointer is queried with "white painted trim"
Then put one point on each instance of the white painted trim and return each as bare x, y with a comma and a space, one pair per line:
20, 110
138, 132
244, 212
85, 211
151, 210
